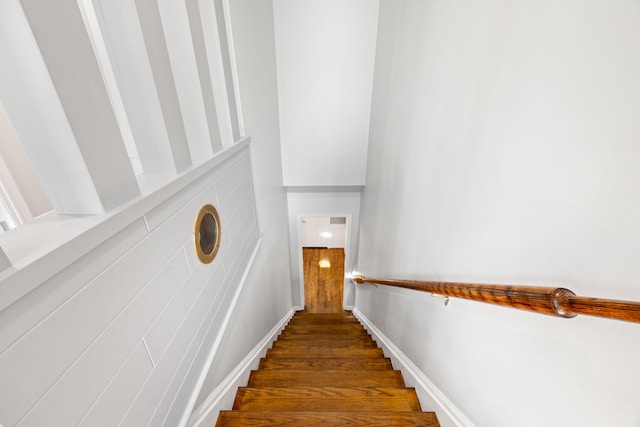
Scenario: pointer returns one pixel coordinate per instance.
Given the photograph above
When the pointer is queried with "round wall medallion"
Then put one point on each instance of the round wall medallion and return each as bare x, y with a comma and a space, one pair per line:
207, 234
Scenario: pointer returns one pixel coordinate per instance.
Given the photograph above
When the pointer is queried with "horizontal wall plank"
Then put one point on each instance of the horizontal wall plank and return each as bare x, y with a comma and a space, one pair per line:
230, 206
158, 337
232, 177
70, 329
232, 245
164, 210
186, 374
105, 356
17, 319
187, 383
146, 403
114, 400
237, 222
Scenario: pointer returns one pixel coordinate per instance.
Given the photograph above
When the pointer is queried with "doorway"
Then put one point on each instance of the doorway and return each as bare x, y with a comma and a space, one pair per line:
323, 262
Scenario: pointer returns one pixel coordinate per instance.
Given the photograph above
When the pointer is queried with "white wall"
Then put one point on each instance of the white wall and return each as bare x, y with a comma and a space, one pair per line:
35, 111
267, 294
211, 41
322, 204
175, 23
124, 42
325, 52
504, 147
318, 232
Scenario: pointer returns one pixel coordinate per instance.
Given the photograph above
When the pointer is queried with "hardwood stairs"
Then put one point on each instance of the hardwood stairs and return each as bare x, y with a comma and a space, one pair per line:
325, 370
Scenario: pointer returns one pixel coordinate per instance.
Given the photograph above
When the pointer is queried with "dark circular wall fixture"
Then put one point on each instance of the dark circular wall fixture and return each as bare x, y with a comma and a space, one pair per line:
207, 233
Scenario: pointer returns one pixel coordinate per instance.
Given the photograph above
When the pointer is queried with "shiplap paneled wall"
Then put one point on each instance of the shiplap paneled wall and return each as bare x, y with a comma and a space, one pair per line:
120, 336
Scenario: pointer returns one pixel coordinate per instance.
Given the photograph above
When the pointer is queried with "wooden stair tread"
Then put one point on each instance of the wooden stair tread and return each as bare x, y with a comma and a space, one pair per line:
319, 352
311, 343
326, 325
310, 340
329, 324
327, 399
336, 364
322, 332
316, 331
323, 419
304, 378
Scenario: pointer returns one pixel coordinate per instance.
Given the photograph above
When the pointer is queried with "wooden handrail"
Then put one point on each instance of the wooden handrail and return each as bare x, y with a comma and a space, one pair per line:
559, 302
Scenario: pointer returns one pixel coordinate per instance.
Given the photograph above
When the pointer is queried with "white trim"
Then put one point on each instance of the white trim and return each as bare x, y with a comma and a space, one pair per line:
99, 45
448, 413
347, 251
234, 67
209, 409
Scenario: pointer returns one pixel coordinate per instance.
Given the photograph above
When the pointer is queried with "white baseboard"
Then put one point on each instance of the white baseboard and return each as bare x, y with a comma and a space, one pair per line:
431, 397
223, 395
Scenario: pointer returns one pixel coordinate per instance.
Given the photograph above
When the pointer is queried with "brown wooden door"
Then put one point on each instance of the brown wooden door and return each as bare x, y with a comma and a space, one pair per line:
323, 286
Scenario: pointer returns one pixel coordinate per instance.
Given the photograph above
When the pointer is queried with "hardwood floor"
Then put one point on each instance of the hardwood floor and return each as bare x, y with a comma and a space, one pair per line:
325, 370
323, 287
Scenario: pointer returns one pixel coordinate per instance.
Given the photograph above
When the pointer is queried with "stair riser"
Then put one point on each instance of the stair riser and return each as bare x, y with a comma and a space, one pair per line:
312, 333
323, 344
297, 335
314, 352
309, 340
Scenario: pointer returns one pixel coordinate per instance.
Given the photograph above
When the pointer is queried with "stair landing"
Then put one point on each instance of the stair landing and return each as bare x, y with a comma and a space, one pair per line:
325, 370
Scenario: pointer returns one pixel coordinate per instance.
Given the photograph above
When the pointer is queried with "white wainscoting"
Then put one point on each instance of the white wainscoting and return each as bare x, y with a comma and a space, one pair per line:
223, 396
122, 335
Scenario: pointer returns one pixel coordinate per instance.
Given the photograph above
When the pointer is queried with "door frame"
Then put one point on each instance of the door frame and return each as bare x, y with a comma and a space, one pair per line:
347, 252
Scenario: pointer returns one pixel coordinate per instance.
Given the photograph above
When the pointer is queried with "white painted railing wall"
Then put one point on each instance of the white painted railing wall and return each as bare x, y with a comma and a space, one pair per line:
108, 318
121, 335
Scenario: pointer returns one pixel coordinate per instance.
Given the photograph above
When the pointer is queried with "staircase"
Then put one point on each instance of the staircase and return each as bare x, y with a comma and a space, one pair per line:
325, 370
